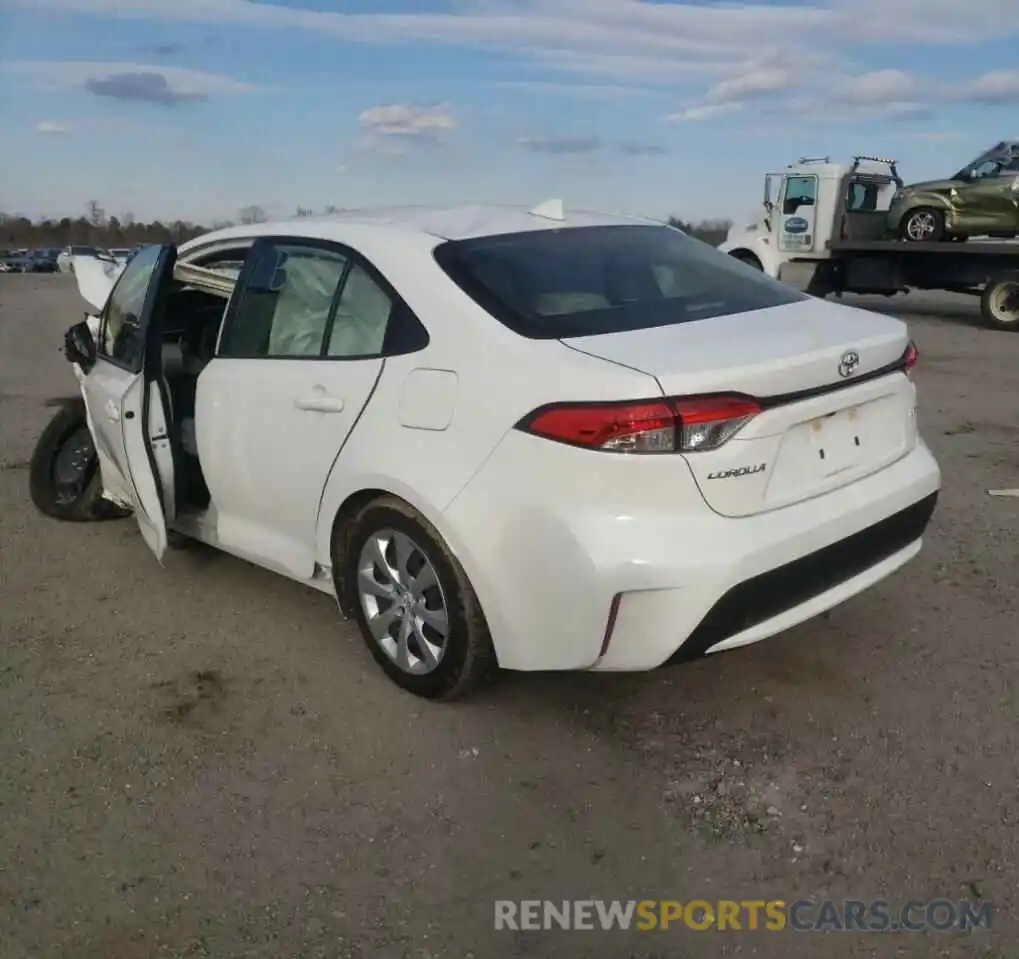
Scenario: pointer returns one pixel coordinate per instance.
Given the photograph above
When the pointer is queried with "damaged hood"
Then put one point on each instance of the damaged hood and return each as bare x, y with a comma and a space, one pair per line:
95, 278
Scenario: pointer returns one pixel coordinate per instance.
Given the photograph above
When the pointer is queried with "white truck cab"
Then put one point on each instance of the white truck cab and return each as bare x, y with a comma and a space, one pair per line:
808, 205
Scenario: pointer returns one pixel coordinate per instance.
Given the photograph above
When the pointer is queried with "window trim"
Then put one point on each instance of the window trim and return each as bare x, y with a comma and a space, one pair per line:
352, 256
150, 294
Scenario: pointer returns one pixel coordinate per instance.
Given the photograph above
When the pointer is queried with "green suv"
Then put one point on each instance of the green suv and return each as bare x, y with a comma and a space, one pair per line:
982, 199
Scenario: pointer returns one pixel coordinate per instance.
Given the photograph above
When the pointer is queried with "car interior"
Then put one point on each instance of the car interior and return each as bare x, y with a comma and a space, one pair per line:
191, 323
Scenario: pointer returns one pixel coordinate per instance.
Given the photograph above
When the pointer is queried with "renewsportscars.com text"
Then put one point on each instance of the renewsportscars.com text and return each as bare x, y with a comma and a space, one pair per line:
739, 915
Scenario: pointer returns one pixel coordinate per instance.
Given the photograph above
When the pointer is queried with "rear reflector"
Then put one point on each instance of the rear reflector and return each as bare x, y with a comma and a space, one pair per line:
910, 357
677, 425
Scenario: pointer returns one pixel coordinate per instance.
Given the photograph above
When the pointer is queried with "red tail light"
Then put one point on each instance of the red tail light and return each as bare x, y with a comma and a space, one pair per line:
677, 425
910, 357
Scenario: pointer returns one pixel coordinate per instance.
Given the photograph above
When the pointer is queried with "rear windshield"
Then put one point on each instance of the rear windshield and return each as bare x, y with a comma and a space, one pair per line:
582, 281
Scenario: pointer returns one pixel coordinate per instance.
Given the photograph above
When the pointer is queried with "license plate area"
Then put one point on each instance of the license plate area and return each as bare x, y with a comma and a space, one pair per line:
827, 451
837, 442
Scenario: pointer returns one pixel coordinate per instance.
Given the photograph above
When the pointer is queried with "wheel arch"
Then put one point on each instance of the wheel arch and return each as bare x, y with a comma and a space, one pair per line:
747, 255
339, 507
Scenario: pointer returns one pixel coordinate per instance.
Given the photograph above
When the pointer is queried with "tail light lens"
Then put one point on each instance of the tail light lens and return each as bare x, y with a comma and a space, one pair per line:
910, 357
676, 425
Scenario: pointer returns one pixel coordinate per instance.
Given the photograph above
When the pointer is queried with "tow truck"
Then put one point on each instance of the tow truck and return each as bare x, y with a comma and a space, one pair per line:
825, 230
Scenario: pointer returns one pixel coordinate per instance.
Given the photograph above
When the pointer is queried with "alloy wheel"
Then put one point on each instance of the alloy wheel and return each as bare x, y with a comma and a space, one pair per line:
403, 601
921, 226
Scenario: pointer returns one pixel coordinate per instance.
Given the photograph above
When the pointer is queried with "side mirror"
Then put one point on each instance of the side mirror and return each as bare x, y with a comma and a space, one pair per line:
769, 206
79, 346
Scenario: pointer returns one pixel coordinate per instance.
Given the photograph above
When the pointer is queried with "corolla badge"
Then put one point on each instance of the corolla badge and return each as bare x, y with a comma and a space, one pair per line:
849, 364
796, 224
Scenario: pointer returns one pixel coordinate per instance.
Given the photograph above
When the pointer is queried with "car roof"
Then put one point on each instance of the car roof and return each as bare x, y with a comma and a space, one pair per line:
443, 223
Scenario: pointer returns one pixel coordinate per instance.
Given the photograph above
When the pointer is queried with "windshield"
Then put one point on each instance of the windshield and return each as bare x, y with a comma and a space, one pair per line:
583, 281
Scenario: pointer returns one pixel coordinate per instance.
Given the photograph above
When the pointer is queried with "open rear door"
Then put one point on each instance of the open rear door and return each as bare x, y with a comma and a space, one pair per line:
145, 417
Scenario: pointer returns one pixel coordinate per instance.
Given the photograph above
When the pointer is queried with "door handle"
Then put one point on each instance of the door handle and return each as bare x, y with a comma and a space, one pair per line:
112, 411
319, 402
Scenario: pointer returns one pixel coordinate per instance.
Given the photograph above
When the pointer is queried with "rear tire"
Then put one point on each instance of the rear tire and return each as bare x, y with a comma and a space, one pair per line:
923, 225
465, 659
64, 478
999, 303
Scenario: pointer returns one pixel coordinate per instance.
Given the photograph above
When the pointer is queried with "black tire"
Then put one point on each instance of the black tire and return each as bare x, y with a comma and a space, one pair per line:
468, 658
78, 500
936, 231
744, 257
999, 303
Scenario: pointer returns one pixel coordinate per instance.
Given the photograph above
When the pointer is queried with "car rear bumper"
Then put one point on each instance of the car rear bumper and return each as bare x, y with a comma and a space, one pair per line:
623, 567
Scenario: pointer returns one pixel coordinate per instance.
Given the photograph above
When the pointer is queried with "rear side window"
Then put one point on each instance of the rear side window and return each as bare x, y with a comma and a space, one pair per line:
583, 281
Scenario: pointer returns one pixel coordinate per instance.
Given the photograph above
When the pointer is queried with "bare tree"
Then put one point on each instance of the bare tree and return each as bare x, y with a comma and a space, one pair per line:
330, 210
304, 212
127, 218
94, 213
252, 214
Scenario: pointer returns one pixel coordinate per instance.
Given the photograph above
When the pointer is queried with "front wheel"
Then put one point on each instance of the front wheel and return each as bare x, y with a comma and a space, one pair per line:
64, 478
414, 605
923, 225
999, 303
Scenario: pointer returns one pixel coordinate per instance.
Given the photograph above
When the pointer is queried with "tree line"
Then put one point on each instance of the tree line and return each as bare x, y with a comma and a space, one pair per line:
96, 228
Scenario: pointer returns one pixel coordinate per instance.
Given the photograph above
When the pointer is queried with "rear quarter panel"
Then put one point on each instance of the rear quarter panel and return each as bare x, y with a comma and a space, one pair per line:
489, 377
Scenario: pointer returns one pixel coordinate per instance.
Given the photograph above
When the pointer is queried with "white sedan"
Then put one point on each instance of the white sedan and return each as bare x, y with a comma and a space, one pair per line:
533, 440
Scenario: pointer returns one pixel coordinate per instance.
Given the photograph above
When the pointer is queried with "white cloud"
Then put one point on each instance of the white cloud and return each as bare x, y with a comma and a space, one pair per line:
877, 87
708, 53
705, 111
753, 83
653, 32
997, 87
407, 120
51, 128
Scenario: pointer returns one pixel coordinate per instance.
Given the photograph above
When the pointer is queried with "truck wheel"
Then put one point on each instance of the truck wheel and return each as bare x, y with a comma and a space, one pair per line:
923, 225
745, 257
999, 303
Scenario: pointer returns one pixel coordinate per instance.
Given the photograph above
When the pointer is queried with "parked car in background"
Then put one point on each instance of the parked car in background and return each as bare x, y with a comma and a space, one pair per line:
18, 261
42, 261
66, 257
982, 199
121, 254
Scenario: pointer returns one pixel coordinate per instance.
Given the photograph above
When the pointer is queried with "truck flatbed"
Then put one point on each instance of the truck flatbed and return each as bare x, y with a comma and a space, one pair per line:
1004, 248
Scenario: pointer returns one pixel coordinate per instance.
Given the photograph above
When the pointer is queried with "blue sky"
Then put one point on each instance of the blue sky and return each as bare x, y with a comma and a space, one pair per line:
193, 109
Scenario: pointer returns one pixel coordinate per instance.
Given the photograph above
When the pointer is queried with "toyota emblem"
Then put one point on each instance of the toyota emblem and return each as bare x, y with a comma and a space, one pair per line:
849, 363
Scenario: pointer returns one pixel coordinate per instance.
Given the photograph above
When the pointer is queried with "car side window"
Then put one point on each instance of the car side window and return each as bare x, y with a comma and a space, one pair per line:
286, 302
362, 317
122, 337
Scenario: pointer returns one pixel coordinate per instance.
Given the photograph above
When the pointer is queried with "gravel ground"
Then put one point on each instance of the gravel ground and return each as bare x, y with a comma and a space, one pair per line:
203, 761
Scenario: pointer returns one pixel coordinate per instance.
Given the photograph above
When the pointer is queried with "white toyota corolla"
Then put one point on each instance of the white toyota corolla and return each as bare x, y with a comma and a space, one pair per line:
529, 439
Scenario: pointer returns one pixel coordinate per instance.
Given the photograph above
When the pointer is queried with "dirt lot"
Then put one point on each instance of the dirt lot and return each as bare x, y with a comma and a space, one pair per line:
203, 761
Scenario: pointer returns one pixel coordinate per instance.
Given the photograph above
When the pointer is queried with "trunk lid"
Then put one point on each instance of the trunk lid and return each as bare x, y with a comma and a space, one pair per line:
799, 446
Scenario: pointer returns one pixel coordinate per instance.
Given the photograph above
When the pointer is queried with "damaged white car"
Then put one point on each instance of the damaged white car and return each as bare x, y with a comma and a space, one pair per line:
499, 437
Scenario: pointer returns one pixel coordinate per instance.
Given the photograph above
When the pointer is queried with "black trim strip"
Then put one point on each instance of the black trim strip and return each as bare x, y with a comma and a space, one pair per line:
771, 594
783, 399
